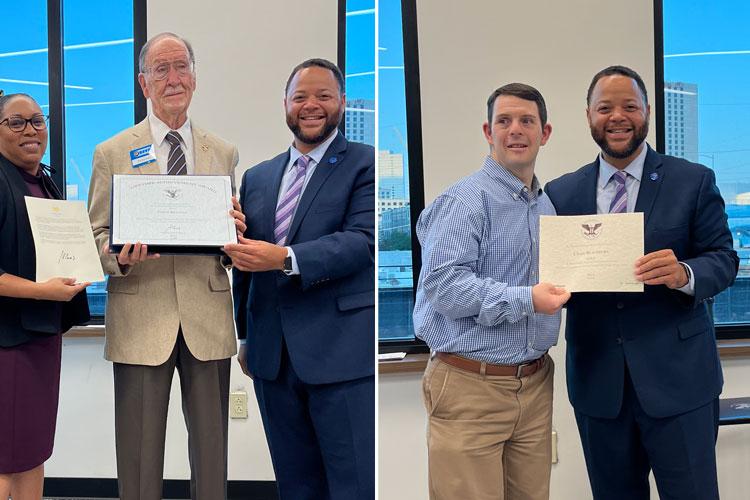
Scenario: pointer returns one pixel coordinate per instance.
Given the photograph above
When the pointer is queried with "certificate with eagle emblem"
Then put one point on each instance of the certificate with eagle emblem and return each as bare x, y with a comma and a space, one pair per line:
172, 214
591, 253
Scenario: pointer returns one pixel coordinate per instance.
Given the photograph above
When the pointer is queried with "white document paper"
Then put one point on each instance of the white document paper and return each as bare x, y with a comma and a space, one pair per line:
63, 239
174, 210
591, 253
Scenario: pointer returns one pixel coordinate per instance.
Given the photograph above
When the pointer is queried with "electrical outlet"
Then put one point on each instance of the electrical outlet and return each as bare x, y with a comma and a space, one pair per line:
238, 404
554, 447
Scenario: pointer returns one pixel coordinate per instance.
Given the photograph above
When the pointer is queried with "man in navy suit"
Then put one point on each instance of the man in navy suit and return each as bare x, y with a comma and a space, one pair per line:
643, 370
304, 296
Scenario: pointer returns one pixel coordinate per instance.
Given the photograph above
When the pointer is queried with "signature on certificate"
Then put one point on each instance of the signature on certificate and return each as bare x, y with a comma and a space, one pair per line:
65, 256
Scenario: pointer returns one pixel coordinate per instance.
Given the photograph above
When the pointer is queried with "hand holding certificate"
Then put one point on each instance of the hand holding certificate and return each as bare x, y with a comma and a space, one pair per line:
63, 240
591, 253
185, 214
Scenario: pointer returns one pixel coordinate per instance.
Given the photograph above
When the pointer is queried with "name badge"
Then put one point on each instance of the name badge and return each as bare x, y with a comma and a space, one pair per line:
142, 156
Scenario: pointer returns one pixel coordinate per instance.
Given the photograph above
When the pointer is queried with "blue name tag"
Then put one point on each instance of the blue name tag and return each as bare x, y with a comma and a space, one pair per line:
142, 156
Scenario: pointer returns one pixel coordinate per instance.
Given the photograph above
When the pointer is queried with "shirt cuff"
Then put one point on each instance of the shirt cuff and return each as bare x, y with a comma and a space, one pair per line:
243, 341
295, 268
521, 304
688, 289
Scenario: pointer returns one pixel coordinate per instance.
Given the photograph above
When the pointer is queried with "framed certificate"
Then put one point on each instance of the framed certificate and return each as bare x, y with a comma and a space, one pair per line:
172, 214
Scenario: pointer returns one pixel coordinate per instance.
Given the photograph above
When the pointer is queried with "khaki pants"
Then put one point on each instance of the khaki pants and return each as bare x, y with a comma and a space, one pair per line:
488, 437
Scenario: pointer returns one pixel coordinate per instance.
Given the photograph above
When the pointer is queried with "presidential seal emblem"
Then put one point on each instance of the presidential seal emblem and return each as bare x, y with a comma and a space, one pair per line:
173, 194
591, 229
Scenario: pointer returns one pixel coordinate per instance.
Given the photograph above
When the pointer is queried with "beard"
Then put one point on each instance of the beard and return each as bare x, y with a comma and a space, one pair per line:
639, 135
312, 140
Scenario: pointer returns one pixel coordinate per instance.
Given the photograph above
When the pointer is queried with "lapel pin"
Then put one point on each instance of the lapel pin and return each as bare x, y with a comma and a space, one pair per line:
332, 160
204, 147
653, 176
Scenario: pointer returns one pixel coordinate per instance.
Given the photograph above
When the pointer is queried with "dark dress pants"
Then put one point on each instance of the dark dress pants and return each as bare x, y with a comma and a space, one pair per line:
141, 403
321, 436
681, 451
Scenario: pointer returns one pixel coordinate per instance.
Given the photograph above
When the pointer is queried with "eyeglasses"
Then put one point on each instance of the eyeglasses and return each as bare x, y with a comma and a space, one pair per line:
18, 124
161, 70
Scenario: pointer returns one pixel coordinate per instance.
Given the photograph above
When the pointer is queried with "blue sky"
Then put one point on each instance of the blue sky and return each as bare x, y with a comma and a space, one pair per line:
706, 29
98, 69
392, 102
360, 49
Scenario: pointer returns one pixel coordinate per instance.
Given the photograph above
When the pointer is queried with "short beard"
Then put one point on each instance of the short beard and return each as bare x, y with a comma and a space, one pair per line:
639, 135
329, 127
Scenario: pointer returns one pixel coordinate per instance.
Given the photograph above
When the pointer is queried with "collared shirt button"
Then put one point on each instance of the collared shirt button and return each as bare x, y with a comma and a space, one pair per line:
515, 196
618, 340
620, 305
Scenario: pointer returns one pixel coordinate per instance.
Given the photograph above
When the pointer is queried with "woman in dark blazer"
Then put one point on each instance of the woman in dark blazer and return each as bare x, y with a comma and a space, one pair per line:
32, 315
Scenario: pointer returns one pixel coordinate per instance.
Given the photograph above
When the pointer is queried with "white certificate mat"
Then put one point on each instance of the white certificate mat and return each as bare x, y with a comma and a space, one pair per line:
172, 210
63, 240
591, 253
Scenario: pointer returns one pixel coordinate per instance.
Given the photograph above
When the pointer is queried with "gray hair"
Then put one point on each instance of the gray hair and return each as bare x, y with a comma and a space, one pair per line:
147, 46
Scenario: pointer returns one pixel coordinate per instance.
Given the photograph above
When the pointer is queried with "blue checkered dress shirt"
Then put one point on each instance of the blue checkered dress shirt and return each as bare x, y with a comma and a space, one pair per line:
480, 258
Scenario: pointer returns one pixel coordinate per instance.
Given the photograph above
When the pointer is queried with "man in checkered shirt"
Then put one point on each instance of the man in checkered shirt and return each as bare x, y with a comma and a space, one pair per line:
487, 320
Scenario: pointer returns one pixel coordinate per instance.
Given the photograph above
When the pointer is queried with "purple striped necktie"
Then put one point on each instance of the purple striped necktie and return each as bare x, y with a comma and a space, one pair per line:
176, 164
288, 202
619, 203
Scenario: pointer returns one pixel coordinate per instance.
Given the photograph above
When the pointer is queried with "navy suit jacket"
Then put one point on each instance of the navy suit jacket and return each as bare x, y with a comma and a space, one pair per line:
325, 315
665, 337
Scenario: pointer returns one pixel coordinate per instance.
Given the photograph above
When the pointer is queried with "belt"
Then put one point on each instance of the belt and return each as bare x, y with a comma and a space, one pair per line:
471, 365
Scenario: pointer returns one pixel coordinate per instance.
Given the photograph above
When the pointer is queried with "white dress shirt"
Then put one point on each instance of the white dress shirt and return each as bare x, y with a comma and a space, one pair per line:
606, 188
315, 156
159, 131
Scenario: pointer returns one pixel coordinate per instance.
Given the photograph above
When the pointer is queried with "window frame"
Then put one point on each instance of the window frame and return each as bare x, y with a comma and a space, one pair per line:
56, 69
416, 173
723, 332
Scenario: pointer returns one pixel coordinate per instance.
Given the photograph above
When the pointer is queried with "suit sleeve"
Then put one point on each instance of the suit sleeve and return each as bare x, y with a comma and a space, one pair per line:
226, 262
715, 263
235, 162
348, 250
99, 209
241, 282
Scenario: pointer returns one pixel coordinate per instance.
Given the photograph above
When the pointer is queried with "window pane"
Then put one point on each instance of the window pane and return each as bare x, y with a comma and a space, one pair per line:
706, 70
395, 279
99, 77
23, 54
360, 71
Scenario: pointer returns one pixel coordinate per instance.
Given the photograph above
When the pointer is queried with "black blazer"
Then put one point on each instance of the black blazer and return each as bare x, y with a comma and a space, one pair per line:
22, 320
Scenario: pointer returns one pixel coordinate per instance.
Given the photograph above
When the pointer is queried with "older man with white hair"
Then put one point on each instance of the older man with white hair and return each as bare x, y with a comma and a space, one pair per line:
166, 312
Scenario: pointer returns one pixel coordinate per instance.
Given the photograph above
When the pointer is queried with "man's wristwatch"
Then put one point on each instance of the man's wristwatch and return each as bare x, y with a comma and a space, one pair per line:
287, 269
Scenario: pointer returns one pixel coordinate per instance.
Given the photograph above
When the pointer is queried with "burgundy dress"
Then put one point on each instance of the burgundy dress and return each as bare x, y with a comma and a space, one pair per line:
29, 389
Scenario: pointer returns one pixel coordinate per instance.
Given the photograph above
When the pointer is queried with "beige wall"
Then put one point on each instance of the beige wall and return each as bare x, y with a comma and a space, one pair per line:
244, 54
467, 49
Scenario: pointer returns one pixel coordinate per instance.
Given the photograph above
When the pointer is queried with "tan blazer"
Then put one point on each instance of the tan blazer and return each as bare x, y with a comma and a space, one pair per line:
147, 303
